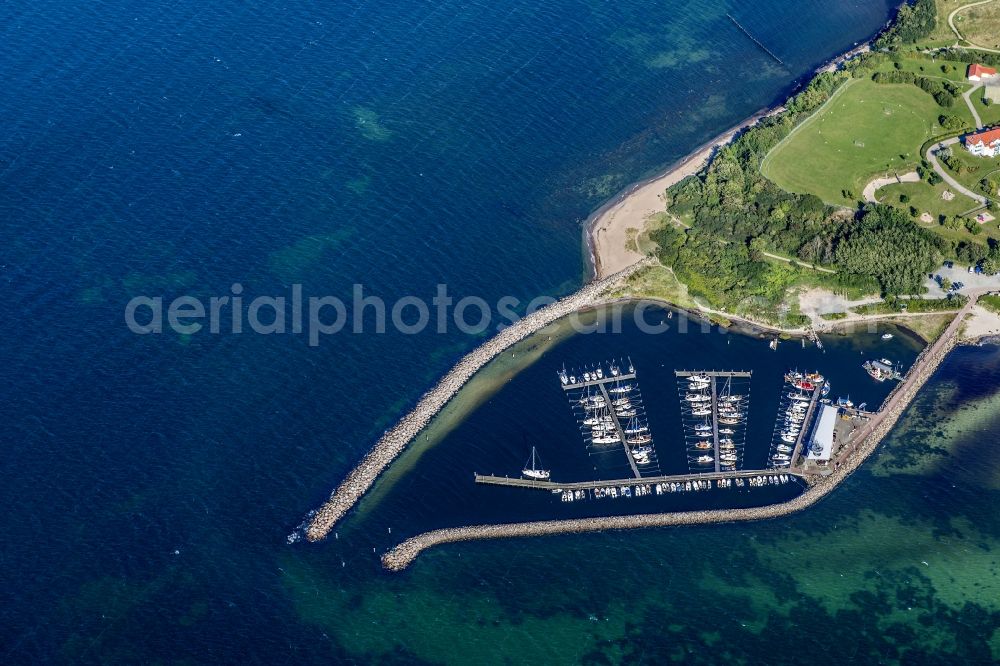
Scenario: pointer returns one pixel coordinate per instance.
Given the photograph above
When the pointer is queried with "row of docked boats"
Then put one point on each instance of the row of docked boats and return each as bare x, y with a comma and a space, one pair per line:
793, 415
716, 429
646, 489
808, 382
596, 374
611, 412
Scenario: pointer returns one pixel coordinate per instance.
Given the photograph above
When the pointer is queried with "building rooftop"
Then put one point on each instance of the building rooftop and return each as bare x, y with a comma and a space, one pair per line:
821, 442
976, 69
987, 136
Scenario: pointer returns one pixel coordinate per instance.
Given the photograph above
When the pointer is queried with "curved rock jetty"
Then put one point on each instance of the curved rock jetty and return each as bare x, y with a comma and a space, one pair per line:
850, 459
394, 441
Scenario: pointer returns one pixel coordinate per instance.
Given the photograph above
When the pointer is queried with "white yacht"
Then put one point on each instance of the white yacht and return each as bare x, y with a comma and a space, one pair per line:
532, 471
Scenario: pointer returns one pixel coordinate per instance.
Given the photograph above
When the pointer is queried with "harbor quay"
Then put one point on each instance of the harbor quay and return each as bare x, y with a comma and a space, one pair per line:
392, 443
850, 457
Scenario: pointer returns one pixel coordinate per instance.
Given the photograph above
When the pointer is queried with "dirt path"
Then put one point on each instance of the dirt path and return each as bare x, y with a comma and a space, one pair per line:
932, 159
788, 260
951, 24
878, 183
967, 96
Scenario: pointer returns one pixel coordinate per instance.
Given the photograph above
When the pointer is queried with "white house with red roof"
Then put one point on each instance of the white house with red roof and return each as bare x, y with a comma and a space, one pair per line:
979, 72
985, 143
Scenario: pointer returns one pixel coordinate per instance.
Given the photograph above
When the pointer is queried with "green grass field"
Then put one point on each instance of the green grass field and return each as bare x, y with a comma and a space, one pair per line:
865, 130
977, 167
925, 198
990, 115
955, 70
942, 35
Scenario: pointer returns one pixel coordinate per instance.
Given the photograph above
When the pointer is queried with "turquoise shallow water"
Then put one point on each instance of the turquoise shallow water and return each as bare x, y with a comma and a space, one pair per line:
149, 482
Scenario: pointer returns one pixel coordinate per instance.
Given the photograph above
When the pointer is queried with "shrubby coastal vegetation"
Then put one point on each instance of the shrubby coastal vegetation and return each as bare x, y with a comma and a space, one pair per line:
740, 237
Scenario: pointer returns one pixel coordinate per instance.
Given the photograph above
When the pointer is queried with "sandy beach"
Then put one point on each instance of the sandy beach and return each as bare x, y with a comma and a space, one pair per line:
611, 228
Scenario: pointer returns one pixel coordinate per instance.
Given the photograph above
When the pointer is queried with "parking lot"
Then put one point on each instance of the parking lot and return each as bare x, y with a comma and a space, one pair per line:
961, 274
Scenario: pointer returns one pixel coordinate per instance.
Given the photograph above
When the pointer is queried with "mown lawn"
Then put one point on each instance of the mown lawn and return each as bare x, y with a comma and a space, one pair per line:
866, 130
954, 70
925, 198
975, 168
990, 115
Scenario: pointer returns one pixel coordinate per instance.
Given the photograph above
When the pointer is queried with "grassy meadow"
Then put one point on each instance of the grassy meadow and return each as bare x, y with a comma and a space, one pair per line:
864, 131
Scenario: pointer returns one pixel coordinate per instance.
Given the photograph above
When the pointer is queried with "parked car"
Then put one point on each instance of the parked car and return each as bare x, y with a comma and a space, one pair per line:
949, 264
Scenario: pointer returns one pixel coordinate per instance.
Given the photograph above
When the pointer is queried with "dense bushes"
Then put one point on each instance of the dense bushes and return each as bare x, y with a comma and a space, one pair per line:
887, 247
964, 55
943, 92
913, 22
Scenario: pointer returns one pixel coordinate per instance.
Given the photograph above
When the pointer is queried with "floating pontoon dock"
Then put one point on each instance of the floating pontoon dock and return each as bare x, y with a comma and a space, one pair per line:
714, 375
806, 424
588, 485
616, 377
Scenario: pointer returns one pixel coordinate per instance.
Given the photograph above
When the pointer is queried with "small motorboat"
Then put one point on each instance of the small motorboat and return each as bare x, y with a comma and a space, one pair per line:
887, 336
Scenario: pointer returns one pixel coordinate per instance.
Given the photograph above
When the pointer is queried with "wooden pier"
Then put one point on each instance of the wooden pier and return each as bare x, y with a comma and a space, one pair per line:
807, 423
619, 429
599, 382
714, 375
614, 376
590, 485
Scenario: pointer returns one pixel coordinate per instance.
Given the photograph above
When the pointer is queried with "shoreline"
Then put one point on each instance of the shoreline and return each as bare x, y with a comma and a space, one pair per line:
606, 228
603, 257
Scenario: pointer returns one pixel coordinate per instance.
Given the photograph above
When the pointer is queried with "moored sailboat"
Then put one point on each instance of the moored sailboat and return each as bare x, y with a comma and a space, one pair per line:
531, 469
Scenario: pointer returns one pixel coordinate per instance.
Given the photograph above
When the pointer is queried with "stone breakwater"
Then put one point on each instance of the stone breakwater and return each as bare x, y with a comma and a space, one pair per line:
394, 441
850, 458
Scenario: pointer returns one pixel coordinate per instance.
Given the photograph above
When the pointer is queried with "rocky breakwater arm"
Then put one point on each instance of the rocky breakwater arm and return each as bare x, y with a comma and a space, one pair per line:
395, 440
849, 459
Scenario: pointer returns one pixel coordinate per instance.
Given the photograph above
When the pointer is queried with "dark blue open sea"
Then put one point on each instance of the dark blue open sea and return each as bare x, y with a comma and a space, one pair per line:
149, 482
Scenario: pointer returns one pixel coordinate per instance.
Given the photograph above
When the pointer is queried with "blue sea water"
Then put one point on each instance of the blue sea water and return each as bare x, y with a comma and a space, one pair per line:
165, 149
